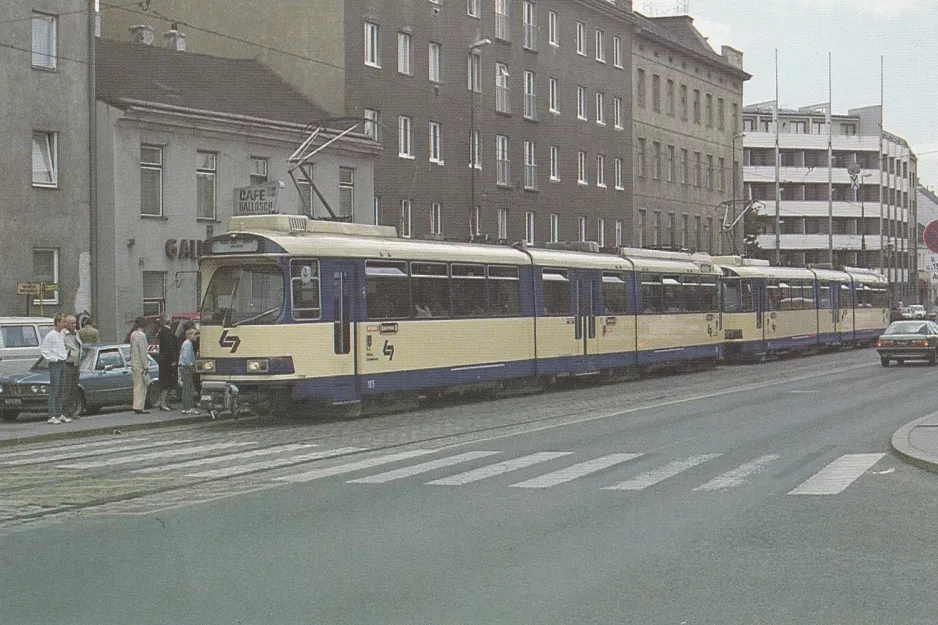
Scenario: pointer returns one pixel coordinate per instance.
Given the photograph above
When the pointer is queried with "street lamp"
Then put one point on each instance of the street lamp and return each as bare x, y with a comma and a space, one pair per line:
859, 190
474, 80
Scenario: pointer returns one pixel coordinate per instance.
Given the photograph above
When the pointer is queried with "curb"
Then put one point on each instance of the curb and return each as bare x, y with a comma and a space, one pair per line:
105, 429
901, 444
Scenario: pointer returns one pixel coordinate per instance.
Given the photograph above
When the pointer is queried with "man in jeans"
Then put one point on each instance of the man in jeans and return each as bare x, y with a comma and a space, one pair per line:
70, 399
54, 351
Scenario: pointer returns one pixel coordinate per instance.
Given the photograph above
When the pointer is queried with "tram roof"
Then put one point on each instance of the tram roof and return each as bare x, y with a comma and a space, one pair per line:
791, 273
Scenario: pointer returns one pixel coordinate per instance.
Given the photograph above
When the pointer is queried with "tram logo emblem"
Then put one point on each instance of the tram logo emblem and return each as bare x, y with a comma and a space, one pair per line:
388, 351
232, 341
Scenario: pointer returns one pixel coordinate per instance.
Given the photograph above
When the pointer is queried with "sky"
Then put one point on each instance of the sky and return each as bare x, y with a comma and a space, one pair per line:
856, 34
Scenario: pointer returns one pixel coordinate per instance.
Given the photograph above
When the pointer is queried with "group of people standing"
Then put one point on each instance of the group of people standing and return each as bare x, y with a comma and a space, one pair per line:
62, 349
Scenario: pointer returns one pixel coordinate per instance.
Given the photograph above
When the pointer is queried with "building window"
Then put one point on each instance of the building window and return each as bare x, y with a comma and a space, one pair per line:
671, 228
530, 96
581, 38
553, 95
405, 54
44, 41
684, 102
618, 175
372, 126
710, 234
258, 170
721, 113
530, 166
46, 272
696, 106
640, 88
436, 141
684, 227
372, 45
346, 191
709, 171
697, 233
617, 112
405, 137
697, 166
529, 24
475, 222
600, 108
640, 228
377, 210
472, 8
553, 34
817, 128
709, 110
684, 165
502, 94
582, 229
735, 119
529, 228
798, 127
581, 102
669, 97
581, 167
554, 227
405, 219
669, 163
436, 218
764, 125
474, 150
45, 159
502, 224
656, 229
151, 181
722, 178
205, 185
555, 163
618, 233
502, 164
600, 46
601, 171
656, 93
847, 129
656, 160
617, 52
601, 232
435, 58
474, 72
154, 293
502, 24
640, 161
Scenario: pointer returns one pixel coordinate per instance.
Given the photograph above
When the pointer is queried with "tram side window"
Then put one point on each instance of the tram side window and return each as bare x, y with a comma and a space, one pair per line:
691, 293
730, 290
775, 293
386, 290
614, 293
504, 291
304, 286
556, 287
709, 295
880, 298
745, 291
795, 295
652, 293
845, 299
824, 296
430, 287
673, 294
468, 290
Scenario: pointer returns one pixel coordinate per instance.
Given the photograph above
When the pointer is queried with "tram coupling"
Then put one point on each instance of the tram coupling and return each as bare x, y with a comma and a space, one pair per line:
218, 396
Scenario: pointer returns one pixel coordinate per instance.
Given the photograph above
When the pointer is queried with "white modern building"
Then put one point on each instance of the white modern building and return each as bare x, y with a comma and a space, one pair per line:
831, 190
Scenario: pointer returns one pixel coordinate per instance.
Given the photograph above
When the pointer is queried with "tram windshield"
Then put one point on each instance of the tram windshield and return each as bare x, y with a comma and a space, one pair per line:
243, 295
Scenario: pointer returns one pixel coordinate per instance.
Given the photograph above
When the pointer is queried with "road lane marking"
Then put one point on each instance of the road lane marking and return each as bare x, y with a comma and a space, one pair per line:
96, 452
739, 475
424, 467
650, 478
274, 464
573, 472
499, 468
838, 475
153, 455
316, 474
186, 464
73, 447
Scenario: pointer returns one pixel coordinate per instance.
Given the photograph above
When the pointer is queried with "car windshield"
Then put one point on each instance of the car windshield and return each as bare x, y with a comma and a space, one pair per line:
907, 327
916, 307
250, 294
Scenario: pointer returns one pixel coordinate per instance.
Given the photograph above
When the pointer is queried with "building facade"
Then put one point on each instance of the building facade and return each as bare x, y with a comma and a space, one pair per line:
845, 192
45, 181
178, 134
499, 120
927, 212
686, 115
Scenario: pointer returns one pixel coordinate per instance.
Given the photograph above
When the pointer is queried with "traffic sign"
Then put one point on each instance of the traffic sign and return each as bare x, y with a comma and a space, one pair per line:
27, 288
931, 236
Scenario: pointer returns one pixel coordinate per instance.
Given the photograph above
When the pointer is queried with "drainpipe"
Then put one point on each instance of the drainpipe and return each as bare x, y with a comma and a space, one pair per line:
92, 159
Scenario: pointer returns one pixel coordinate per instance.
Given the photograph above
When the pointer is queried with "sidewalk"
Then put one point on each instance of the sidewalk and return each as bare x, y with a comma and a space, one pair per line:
33, 428
917, 441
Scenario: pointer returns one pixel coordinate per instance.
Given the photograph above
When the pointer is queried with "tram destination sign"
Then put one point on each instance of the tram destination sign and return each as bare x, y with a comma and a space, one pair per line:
259, 199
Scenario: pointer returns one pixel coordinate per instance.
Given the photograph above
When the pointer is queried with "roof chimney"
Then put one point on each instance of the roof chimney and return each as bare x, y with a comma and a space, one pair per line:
174, 40
142, 34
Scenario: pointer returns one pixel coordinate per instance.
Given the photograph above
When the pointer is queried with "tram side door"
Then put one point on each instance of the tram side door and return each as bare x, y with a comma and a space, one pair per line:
586, 288
344, 313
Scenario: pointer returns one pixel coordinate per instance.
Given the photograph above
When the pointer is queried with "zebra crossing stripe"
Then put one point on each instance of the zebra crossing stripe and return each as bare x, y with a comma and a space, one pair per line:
275, 464
739, 475
153, 455
650, 478
838, 475
578, 470
95, 452
498, 468
187, 464
424, 467
369, 463
72, 447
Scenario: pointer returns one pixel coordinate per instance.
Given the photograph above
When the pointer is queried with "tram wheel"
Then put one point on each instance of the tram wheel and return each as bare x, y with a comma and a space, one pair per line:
884, 361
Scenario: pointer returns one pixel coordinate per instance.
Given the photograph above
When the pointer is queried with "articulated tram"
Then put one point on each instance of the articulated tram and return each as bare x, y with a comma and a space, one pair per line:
299, 310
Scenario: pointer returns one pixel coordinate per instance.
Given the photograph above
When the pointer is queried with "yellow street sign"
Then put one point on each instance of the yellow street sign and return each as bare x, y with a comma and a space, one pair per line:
27, 288
51, 288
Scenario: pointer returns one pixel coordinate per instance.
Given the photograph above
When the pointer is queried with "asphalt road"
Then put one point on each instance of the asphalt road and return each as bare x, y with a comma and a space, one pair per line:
762, 494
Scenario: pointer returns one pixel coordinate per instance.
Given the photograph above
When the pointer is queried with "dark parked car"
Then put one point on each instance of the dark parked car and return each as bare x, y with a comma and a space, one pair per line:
909, 340
104, 380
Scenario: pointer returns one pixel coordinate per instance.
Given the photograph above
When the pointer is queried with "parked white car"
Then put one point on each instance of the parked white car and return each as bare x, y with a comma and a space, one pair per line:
19, 342
914, 311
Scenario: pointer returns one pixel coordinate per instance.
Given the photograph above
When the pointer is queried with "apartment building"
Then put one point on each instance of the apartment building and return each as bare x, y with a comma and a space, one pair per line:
498, 120
845, 194
686, 116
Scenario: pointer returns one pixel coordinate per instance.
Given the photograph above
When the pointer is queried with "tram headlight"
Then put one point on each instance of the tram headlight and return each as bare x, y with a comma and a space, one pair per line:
257, 365
205, 366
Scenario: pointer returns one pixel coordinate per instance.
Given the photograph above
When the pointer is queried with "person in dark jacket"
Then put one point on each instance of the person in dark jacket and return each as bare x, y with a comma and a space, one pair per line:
167, 359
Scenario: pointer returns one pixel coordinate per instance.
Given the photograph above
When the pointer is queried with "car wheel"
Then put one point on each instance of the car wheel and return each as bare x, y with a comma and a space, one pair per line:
884, 361
8, 415
153, 396
900, 361
933, 357
76, 408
